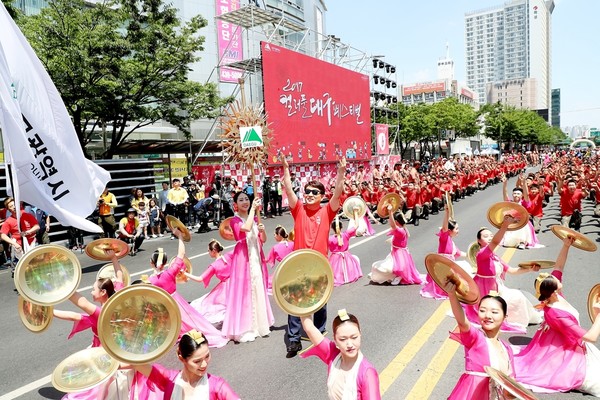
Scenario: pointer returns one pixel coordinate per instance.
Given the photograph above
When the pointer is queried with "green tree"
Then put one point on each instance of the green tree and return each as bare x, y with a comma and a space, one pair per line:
122, 66
14, 12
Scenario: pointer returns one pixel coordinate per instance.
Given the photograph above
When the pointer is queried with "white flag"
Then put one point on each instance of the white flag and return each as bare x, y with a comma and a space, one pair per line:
40, 141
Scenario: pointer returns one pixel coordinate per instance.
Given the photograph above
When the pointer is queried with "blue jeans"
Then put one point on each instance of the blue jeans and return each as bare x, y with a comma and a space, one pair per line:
295, 326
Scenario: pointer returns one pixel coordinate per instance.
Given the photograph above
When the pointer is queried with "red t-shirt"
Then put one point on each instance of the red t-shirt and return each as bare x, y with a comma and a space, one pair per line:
536, 205
311, 227
9, 227
570, 202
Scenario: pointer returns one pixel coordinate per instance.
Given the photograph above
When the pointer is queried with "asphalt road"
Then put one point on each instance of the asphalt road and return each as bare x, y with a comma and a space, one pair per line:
404, 336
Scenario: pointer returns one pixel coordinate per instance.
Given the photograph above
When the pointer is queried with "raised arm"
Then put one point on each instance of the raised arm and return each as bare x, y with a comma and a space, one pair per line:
334, 202
315, 336
287, 183
457, 309
181, 246
446, 218
247, 225
508, 219
561, 259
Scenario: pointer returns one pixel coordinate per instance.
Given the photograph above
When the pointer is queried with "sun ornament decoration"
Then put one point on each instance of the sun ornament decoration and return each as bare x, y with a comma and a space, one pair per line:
252, 120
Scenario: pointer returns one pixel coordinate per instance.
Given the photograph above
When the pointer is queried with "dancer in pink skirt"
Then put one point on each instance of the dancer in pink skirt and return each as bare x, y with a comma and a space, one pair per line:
398, 267
447, 248
192, 382
213, 304
482, 346
345, 266
561, 356
167, 280
279, 250
491, 272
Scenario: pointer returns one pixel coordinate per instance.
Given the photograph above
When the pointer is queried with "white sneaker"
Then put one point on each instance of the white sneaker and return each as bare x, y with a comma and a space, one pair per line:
154, 236
161, 235
396, 281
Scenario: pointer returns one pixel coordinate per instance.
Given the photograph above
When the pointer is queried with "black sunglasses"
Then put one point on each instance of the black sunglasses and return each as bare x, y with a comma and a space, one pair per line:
314, 192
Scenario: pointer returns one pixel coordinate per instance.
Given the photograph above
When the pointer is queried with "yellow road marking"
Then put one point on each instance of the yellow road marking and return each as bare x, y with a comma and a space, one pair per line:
436, 368
431, 375
397, 365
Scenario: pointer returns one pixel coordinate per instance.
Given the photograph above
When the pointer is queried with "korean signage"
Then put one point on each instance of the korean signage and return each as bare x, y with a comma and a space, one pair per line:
318, 111
229, 41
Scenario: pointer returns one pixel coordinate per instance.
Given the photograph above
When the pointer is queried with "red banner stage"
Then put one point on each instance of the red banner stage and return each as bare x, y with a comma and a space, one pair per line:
318, 111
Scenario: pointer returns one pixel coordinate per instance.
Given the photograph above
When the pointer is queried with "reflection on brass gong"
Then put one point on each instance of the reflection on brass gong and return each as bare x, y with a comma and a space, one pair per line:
303, 282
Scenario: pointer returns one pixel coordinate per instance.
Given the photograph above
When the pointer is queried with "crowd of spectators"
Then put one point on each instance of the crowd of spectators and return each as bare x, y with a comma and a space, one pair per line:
574, 175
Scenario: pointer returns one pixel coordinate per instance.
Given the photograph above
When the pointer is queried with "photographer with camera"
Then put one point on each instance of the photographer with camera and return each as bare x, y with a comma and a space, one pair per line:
106, 218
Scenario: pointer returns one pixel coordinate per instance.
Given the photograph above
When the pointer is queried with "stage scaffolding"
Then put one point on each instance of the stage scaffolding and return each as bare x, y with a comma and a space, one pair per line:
270, 24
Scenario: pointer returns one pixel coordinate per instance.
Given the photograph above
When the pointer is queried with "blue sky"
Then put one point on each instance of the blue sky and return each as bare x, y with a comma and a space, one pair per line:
413, 36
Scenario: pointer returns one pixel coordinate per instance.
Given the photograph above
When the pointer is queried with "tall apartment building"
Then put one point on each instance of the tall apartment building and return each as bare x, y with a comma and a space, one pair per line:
30, 7
507, 43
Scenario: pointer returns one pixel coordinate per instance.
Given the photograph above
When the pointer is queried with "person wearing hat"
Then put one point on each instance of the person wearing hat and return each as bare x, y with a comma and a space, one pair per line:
203, 209
130, 231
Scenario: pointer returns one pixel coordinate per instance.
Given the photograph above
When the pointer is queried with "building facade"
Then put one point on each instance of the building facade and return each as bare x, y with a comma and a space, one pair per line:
555, 108
510, 43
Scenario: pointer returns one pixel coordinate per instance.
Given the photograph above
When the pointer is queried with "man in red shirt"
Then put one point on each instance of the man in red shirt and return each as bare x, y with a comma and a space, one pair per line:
412, 207
570, 203
11, 234
311, 229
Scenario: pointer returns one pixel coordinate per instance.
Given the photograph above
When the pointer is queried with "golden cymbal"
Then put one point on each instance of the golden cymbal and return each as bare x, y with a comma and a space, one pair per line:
139, 324
354, 205
108, 271
544, 264
47, 275
581, 241
96, 248
593, 297
84, 370
497, 212
181, 278
173, 223
392, 199
225, 229
302, 282
509, 384
35, 317
472, 254
442, 269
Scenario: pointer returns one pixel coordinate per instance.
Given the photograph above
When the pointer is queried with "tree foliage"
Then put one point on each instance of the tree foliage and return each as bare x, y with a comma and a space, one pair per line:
14, 12
427, 124
122, 65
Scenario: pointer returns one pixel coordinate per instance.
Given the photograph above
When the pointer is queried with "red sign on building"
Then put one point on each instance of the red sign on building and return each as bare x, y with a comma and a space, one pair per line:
318, 111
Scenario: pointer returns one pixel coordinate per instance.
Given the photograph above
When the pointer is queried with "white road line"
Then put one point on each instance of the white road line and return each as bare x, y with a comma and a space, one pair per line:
26, 389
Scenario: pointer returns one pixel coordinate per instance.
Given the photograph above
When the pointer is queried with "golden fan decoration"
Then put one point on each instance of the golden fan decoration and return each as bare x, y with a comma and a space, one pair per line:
240, 115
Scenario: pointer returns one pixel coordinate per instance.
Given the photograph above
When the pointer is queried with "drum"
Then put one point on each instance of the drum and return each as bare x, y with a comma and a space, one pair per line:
47, 275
